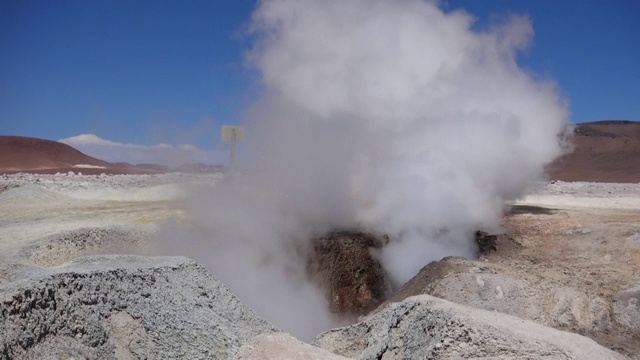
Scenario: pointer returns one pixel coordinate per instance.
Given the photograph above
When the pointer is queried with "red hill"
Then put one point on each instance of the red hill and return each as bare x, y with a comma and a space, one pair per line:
604, 151
32, 155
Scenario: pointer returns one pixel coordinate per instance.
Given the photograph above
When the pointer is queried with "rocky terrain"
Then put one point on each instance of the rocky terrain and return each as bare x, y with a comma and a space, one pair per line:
562, 282
425, 327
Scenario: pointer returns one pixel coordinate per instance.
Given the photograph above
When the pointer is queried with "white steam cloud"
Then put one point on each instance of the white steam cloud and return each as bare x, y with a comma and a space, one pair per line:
390, 116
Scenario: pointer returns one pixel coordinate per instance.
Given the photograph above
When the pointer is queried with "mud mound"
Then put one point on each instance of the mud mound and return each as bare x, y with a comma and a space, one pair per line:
125, 307
63, 247
425, 327
494, 287
342, 264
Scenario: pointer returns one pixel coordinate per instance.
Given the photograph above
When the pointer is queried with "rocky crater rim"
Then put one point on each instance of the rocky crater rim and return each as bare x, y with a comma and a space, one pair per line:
95, 264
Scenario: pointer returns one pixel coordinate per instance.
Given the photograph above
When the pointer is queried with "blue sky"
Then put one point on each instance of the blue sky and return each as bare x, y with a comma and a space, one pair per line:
147, 72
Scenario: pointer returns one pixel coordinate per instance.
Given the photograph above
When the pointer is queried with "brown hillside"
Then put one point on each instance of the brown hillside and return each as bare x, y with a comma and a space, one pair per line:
604, 151
25, 154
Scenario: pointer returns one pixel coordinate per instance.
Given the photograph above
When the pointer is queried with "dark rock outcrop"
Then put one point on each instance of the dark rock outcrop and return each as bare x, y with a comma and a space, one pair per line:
486, 242
341, 262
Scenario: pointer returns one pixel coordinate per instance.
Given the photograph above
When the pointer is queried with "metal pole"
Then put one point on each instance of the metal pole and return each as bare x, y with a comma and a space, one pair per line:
233, 147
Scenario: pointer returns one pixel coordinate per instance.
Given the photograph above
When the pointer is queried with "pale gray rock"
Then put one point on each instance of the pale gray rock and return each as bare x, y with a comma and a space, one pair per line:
626, 309
129, 337
546, 304
490, 287
125, 307
425, 327
576, 310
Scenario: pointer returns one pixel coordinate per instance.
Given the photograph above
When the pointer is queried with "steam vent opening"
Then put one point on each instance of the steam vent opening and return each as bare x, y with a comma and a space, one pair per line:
342, 263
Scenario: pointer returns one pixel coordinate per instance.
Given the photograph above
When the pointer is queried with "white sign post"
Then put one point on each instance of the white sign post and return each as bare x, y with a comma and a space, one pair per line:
232, 134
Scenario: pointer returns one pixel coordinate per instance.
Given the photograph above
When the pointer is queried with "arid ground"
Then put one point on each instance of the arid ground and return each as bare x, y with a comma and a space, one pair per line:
570, 247
584, 236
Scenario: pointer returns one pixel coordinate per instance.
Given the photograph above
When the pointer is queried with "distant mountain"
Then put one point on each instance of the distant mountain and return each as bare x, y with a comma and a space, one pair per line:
25, 154
604, 151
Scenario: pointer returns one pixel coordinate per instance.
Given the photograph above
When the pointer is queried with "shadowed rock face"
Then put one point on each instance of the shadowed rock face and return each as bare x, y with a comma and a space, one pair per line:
486, 243
342, 264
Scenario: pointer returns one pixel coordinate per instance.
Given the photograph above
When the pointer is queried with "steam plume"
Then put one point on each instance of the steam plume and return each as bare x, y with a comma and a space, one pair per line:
386, 115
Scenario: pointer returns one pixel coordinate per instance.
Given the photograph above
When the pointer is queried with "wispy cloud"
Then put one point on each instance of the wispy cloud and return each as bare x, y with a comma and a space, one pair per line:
163, 154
